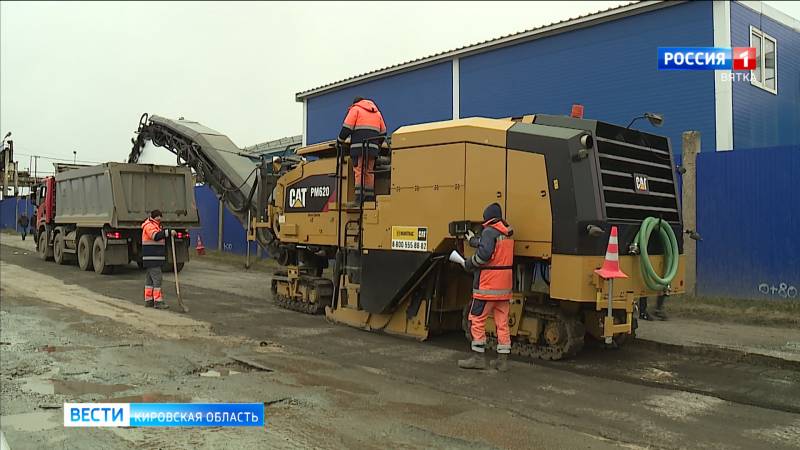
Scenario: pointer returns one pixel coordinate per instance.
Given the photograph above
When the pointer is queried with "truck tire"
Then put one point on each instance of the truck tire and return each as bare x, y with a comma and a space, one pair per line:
44, 250
99, 257
59, 256
85, 252
169, 269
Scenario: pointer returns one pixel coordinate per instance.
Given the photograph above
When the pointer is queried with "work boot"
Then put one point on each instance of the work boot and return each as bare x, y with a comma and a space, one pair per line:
161, 305
501, 363
645, 316
148, 303
476, 361
660, 314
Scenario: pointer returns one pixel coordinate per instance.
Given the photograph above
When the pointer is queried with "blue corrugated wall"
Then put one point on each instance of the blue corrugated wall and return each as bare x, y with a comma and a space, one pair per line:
760, 118
748, 213
422, 95
8, 216
234, 239
208, 210
611, 69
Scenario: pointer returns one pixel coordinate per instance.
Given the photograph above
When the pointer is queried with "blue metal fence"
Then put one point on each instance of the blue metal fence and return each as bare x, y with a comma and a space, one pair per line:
234, 239
8, 214
748, 212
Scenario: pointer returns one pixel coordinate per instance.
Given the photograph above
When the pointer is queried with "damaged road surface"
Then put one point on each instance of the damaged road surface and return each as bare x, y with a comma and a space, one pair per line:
71, 336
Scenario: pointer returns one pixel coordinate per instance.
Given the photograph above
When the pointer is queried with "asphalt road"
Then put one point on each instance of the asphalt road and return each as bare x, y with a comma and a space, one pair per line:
336, 387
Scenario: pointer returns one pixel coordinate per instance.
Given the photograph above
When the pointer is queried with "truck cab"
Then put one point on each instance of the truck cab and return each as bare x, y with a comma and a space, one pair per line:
43, 197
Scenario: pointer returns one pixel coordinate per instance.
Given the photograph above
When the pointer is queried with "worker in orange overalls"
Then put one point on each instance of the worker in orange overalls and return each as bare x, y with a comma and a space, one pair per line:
493, 281
154, 255
366, 129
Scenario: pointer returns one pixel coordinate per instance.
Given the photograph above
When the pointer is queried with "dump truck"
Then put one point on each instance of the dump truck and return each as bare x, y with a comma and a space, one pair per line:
93, 215
563, 184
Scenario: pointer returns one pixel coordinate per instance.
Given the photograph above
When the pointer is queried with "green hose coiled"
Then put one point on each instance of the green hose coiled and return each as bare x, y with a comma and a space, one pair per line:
671, 253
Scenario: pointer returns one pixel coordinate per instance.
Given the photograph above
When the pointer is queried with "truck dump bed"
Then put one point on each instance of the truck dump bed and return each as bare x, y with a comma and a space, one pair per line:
122, 195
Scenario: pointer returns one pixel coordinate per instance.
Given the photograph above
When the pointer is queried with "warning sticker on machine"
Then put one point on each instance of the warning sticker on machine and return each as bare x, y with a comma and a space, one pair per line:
410, 238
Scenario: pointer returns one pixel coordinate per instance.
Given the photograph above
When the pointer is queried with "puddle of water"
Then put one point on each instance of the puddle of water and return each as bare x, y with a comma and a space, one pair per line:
60, 348
50, 387
84, 387
151, 397
219, 372
35, 421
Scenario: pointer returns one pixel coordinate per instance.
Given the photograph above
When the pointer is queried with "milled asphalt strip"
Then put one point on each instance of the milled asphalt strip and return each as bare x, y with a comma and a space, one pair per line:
50, 289
723, 353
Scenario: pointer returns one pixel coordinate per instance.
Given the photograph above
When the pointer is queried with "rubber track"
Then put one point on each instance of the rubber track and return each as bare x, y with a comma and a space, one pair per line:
323, 288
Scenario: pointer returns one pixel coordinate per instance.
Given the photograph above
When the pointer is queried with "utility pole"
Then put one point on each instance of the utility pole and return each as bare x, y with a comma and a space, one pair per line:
35, 166
5, 172
690, 147
9, 156
16, 196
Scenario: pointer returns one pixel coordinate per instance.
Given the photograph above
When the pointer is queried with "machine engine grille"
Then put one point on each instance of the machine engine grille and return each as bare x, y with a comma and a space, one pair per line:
624, 153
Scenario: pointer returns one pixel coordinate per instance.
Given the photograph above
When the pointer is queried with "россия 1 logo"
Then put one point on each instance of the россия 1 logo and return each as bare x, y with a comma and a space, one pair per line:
706, 58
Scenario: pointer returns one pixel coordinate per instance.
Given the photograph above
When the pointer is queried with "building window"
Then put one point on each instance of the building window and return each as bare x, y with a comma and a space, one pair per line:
765, 75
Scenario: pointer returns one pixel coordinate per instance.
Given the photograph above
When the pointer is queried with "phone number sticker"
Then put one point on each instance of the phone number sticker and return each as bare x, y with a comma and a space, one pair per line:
410, 238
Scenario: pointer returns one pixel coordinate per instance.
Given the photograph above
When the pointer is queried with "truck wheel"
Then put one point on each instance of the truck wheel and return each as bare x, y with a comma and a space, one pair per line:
59, 255
99, 257
85, 252
45, 252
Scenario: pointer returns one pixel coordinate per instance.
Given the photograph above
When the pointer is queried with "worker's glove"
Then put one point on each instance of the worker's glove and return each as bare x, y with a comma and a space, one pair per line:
173, 233
470, 235
468, 266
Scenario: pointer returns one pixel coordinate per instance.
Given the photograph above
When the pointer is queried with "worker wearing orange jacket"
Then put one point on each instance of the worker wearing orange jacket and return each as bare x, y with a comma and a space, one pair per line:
492, 286
154, 255
366, 129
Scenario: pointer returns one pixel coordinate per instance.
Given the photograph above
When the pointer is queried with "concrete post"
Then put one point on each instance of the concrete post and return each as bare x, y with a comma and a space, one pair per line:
5, 175
689, 150
16, 178
219, 226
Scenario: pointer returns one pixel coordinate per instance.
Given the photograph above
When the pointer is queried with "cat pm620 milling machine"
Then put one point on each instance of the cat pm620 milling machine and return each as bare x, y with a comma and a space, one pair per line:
562, 182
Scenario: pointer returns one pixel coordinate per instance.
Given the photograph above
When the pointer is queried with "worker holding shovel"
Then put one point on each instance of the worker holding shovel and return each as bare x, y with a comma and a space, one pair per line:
153, 257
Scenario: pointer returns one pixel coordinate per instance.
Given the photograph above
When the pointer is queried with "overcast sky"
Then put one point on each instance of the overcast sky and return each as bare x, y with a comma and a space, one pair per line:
77, 76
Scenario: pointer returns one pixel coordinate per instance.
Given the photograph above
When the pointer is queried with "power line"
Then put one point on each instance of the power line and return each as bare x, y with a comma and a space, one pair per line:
58, 159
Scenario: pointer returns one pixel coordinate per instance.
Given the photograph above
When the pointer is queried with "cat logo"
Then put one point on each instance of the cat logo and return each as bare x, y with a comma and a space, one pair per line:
297, 197
641, 184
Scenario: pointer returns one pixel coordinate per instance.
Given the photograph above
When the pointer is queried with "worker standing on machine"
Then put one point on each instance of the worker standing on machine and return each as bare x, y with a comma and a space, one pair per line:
492, 265
154, 255
365, 127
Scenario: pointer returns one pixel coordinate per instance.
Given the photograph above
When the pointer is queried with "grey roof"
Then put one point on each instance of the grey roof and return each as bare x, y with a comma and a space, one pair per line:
585, 20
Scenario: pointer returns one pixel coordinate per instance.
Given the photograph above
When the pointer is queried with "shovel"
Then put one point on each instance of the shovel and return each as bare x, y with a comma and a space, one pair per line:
175, 268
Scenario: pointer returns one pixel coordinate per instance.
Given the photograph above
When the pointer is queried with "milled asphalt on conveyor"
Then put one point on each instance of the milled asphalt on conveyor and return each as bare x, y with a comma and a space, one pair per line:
626, 392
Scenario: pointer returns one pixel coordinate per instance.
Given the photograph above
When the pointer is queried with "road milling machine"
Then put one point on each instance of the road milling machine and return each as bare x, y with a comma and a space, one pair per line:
562, 182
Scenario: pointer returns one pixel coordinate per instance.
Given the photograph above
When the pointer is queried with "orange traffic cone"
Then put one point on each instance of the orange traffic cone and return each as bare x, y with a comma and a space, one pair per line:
201, 249
610, 267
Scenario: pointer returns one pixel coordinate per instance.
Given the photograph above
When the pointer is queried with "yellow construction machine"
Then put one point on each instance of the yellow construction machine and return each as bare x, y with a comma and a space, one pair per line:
562, 182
